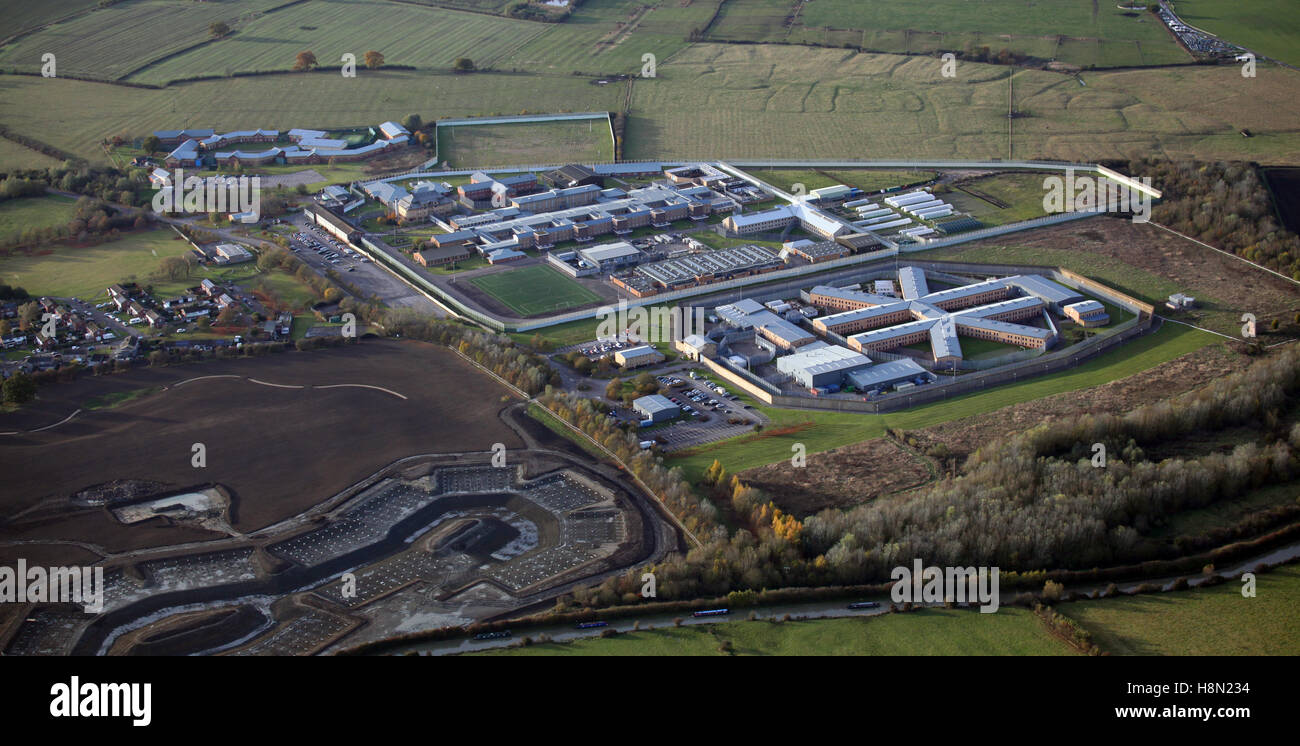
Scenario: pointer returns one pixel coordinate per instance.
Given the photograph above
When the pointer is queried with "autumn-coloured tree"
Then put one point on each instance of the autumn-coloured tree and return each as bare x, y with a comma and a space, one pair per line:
305, 61
374, 60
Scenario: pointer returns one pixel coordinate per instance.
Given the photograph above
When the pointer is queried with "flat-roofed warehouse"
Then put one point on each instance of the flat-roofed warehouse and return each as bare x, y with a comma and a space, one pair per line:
656, 407
883, 375
821, 365
611, 255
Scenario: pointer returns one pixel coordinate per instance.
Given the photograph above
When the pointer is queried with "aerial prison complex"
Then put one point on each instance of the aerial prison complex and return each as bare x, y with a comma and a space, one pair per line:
201, 148
834, 338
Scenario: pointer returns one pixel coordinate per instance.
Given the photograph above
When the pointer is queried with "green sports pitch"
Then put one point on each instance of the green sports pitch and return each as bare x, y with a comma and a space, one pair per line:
534, 290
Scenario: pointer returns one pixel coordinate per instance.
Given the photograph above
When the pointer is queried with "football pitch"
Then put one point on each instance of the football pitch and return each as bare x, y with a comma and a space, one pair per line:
534, 290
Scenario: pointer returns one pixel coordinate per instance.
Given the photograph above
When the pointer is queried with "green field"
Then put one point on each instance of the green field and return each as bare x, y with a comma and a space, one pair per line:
535, 289
110, 42
526, 143
1077, 33
1011, 631
425, 37
1022, 192
13, 155
86, 272
1269, 27
757, 101
707, 100
278, 101
834, 429
50, 211
1210, 621
21, 16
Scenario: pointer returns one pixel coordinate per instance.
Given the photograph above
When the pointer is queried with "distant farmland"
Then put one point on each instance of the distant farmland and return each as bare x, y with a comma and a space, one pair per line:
279, 101
112, 41
526, 143
404, 34
1077, 33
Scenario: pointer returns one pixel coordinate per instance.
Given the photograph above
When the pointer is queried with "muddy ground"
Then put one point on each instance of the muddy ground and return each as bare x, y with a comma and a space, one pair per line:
279, 450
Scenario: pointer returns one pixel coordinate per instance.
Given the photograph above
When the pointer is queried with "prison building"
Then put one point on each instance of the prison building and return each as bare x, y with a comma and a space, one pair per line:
1015, 309
837, 299
808, 217
1087, 313
967, 296
817, 251
911, 280
822, 365
781, 333
175, 137
478, 193
573, 175
557, 199
1004, 332
1055, 295
872, 317
636, 357
444, 255
332, 222
722, 264
738, 314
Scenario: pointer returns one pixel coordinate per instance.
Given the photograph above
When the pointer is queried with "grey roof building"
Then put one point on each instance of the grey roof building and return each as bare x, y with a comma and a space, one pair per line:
656, 407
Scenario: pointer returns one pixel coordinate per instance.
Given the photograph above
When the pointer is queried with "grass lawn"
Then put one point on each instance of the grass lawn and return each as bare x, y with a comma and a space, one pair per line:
833, 429
108, 401
1011, 631
13, 155
86, 272
1210, 621
709, 238
532, 143
50, 211
534, 289
1023, 192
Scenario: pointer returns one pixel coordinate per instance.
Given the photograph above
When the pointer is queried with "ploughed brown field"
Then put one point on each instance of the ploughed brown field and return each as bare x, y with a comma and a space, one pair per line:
279, 451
